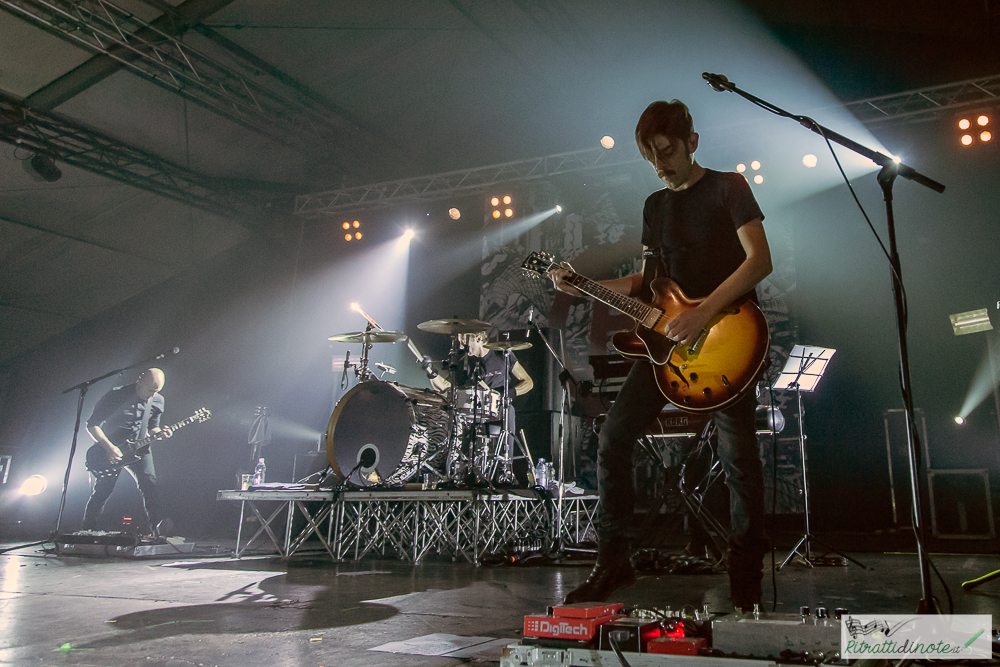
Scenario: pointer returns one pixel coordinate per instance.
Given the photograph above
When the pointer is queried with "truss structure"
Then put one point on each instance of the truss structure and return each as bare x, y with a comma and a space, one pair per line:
464, 181
928, 103
154, 51
409, 525
60, 139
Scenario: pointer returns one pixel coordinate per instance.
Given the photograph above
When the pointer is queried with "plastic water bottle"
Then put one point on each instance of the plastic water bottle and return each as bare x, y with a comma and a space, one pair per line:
542, 474
258, 473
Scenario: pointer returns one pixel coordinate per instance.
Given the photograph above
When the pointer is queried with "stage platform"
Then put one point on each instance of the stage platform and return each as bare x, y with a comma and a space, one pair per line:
308, 611
462, 524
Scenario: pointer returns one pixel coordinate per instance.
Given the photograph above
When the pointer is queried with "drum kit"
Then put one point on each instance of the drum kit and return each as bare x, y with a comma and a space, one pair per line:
385, 434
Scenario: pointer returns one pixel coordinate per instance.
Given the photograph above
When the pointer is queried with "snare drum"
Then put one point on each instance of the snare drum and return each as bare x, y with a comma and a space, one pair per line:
385, 431
479, 402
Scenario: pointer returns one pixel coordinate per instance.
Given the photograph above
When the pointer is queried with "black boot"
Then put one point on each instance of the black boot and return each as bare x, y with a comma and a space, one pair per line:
612, 571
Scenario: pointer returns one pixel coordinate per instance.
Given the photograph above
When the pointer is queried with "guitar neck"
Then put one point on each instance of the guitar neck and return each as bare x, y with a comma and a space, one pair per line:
142, 442
634, 308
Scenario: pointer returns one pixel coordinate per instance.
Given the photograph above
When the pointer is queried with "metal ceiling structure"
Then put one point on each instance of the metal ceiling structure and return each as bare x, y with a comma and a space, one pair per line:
928, 103
285, 110
65, 141
465, 181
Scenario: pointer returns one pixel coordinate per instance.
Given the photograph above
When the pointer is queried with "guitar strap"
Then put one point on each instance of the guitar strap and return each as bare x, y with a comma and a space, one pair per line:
651, 257
144, 424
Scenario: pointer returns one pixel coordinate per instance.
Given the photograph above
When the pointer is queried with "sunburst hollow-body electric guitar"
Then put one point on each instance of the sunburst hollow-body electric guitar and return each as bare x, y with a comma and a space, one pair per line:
704, 375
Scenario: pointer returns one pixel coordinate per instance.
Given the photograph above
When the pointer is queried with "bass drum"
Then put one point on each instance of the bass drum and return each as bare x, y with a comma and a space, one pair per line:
384, 432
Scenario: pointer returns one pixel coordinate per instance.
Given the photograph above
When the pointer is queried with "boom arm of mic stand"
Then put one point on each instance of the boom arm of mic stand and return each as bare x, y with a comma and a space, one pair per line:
877, 157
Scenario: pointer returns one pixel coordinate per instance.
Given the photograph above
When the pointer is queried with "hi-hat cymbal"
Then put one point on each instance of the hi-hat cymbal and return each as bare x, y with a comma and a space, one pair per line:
368, 337
454, 326
508, 345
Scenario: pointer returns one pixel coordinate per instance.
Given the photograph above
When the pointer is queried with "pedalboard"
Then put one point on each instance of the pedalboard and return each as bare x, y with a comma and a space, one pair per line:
588, 634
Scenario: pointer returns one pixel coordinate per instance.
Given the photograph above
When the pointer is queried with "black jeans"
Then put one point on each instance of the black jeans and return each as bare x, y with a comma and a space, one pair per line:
638, 403
145, 477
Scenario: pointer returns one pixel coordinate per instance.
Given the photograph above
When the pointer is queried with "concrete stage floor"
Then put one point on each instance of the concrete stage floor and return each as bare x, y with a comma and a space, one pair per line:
309, 611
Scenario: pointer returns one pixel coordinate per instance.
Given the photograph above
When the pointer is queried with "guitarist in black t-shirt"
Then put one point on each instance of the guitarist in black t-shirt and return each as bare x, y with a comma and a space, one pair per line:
125, 413
704, 232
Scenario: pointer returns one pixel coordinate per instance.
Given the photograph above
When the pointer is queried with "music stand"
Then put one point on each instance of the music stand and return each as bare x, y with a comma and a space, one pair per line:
802, 372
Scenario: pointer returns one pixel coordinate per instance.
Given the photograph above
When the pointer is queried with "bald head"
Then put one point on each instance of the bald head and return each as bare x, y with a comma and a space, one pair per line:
150, 381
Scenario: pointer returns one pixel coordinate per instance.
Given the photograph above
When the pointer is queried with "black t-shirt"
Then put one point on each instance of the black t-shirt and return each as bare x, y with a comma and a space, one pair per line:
490, 369
119, 414
699, 247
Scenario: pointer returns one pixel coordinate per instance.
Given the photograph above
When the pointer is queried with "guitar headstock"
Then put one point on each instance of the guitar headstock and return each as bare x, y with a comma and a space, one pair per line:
202, 415
538, 264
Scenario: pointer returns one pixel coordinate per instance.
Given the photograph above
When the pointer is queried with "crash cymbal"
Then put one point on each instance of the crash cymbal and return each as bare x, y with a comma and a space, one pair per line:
454, 326
368, 337
508, 345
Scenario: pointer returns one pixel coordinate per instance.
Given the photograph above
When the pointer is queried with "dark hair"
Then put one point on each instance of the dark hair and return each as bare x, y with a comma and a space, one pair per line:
671, 119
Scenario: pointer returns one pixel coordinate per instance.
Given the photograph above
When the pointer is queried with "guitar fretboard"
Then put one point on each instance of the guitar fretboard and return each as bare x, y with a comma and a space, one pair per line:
634, 308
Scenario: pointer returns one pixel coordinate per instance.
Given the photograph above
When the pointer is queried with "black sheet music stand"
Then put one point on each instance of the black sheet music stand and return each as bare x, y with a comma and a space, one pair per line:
802, 372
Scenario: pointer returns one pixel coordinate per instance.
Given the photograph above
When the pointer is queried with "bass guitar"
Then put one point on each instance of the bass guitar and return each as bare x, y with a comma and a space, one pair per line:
703, 375
101, 465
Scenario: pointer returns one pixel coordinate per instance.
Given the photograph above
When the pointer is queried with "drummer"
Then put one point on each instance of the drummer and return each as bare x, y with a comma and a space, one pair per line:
488, 367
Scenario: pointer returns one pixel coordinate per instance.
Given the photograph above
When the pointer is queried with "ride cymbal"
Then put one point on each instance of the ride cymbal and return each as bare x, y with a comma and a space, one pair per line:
454, 326
508, 345
368, 337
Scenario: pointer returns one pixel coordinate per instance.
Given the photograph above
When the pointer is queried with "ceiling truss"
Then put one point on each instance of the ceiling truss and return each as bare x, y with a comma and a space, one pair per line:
927, 103
283, 111
465, 181
63, 140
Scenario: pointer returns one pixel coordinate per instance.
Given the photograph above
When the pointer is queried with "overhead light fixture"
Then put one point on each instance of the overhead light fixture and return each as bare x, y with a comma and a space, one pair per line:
608, 142
810, 160
42, 168
34, 485
454, 213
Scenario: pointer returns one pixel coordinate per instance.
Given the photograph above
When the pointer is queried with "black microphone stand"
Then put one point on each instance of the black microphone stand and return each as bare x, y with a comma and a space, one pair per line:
886, 177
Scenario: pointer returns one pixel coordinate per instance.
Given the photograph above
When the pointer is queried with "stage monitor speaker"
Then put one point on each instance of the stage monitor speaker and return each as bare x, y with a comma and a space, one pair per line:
961, 506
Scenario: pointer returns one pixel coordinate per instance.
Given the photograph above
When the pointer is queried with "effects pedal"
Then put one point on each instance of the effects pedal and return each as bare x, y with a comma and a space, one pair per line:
578, 622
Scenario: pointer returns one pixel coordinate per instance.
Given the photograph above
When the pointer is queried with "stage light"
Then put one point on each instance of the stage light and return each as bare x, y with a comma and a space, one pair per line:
34, 485
758, 179
983, 121
964, 124
985, 136
506, 199
408, 234
755, 165
496, 213
558, 209
346, 225
495, 201
741, 167
607, 142
347, 236
454, 213
508, 213
897, 159
959, 420
41, 168
810, 160
356, 307
357, 236
356, 224
966, 139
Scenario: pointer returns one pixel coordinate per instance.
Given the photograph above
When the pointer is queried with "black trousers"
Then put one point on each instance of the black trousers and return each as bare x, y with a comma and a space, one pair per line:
145, 478
638, 403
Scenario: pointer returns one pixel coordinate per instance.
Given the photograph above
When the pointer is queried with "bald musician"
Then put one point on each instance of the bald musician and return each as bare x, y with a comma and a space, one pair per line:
127, 413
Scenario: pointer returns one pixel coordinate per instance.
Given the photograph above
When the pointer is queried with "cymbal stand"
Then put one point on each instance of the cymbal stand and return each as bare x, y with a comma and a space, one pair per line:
505, 444
361, 370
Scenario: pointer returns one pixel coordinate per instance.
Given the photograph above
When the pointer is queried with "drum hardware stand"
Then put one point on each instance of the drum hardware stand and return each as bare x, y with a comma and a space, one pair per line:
802, 372
505, 444
890, 169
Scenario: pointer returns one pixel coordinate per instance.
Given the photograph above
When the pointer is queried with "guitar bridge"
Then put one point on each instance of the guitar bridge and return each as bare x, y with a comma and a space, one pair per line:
696, 346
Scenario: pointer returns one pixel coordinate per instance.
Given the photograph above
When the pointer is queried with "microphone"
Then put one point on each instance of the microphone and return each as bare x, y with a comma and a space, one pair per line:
163, 354
718, 82
531, 313
343, 378
386, 369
